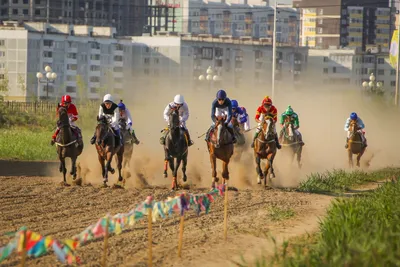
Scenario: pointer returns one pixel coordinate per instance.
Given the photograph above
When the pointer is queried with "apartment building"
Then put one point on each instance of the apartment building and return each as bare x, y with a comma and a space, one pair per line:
128, 17
349, 68
95, 64
345, 23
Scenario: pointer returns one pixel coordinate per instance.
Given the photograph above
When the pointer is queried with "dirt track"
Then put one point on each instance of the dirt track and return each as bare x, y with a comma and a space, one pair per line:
42, 205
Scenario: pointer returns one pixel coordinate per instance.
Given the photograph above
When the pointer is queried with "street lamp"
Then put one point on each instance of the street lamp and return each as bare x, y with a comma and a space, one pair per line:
50, 78
209, 76
372, 86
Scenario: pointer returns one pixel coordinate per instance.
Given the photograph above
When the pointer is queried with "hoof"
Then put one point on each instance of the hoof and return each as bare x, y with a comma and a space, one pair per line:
216, 179
112, 171
77, 181
65, 184
165, 175
258, 180
120, 179
213, 185
184, 178
272, 175
118, 186
104, 185
105, 180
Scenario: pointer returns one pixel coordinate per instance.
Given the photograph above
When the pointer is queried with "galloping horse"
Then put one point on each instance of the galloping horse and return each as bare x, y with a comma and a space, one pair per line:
128, 143
220, 147
265, 148
106, 149
176, 147
290, 141
66, 143
355, 144
238, 130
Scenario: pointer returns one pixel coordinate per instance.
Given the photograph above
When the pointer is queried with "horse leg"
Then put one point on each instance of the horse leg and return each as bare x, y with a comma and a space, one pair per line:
258, 169
109, 160
119, 166
175, 173
225, 171
171, 162
166, 160
214, 178
272, 171
184, 164
299, 152
73, 167
359, 156
350, 155
64, 170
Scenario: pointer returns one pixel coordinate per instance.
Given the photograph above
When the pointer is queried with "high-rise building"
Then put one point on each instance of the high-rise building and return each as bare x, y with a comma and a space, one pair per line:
346, 23
128, 17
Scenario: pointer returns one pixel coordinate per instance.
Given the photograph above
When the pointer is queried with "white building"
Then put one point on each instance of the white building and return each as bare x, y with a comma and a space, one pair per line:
90, 54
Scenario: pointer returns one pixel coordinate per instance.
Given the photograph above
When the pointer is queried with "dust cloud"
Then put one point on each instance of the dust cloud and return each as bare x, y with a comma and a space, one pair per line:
322, 113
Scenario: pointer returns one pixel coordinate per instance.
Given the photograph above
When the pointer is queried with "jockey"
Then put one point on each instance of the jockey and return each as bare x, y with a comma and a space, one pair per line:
294, 118
73, 116
109, 110
360, 123
266, 109
221, 106
125, 114
183, 109
241, 115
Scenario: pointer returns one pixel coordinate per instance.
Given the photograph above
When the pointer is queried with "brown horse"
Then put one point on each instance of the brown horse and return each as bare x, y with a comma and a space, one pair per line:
265, 148
238, 130
290, 142
220, 147
128, 143
66, 144
355, 144
106, 149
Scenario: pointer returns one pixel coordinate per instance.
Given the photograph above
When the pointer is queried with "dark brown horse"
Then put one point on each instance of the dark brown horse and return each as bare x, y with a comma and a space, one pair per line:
355, 144
238, 130
265, 148
220, 147
128, 143
106, 149
176, 147
290, 141
66, 144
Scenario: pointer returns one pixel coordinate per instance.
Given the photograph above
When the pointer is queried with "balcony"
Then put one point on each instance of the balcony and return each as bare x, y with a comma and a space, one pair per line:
118, 52
71, 72
94, 62
70, 83
48, 48
94, 84
239, 58
48, 59
72, 50
95, 51
118, 63
95, 73
118, 75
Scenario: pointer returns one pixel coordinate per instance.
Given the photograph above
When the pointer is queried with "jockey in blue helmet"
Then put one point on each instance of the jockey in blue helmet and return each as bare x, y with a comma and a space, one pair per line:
124, 113
221, 106
360, 123
241, 115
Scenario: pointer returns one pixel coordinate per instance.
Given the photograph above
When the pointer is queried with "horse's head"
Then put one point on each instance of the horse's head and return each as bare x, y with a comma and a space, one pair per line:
235, 121
122, 123
289, 127
174, 121
354, 126
268, 127
101, 129
63, 116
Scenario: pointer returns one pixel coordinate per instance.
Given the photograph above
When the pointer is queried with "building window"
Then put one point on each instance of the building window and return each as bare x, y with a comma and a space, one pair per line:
326, 59
334, 69
15, 1
2, 42
381, 72
392, 72
392, 83
25, 12
94, 79
71, 67
47, 54
15, 11
37, 2
93, 90
325, 70
146, 71
48, 43
118, 58
381, 61
2, 77
156, 60
118, 69
146, 60
95, 68
207, 53
70, 89
37, 12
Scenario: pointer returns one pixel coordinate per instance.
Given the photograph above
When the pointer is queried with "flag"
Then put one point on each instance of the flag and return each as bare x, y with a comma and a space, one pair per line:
394, 49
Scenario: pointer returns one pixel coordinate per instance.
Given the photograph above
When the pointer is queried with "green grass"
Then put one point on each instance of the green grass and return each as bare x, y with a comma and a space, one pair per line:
340, 180
361, 231
24, 144
280, 213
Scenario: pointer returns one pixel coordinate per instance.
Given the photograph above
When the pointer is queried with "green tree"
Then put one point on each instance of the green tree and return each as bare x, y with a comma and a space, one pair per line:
4, 85
82, 89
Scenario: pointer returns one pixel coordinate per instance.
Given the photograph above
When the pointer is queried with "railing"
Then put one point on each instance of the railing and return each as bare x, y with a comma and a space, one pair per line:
39, 107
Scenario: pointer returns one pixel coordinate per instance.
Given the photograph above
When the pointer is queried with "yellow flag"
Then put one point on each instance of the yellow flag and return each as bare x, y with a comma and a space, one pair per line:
394, 49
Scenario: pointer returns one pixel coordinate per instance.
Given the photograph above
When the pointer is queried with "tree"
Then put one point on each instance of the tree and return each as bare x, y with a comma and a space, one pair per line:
82, 89
4, 85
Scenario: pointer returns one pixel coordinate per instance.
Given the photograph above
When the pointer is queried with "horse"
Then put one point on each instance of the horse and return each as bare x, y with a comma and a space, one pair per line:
355, 144
220, 147
66, 144
176, 147
238, 130
106, 149
128, 143
290, 141
265, 148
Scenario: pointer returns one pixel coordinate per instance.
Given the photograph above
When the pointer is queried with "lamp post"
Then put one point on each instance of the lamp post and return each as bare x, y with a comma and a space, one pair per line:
49, 76
372, 86
209, 77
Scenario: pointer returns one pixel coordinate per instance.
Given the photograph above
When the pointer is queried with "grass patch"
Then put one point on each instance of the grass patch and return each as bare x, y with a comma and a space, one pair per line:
361, 231
26, 144
340, 180
280, 213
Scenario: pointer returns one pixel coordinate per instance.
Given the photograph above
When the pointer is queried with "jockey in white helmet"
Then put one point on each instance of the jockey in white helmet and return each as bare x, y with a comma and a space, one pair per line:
183, 109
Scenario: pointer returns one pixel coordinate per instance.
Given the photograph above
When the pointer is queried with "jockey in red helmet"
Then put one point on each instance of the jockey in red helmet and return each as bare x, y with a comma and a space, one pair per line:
266, 109
66, 101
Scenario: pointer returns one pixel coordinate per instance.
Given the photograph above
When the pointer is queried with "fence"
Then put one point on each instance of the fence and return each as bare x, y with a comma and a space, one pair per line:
37, 107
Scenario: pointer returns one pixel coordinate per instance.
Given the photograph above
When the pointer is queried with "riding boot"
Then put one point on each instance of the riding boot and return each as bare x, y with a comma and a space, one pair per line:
254, 138
163, 136
190, 141
135, 140
207, 138
347, 143
93, 139
278, 146
233, 135
365, 142
300, 137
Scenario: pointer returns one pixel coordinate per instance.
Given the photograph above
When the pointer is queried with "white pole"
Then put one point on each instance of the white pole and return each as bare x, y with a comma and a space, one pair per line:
274, 52
396, 95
